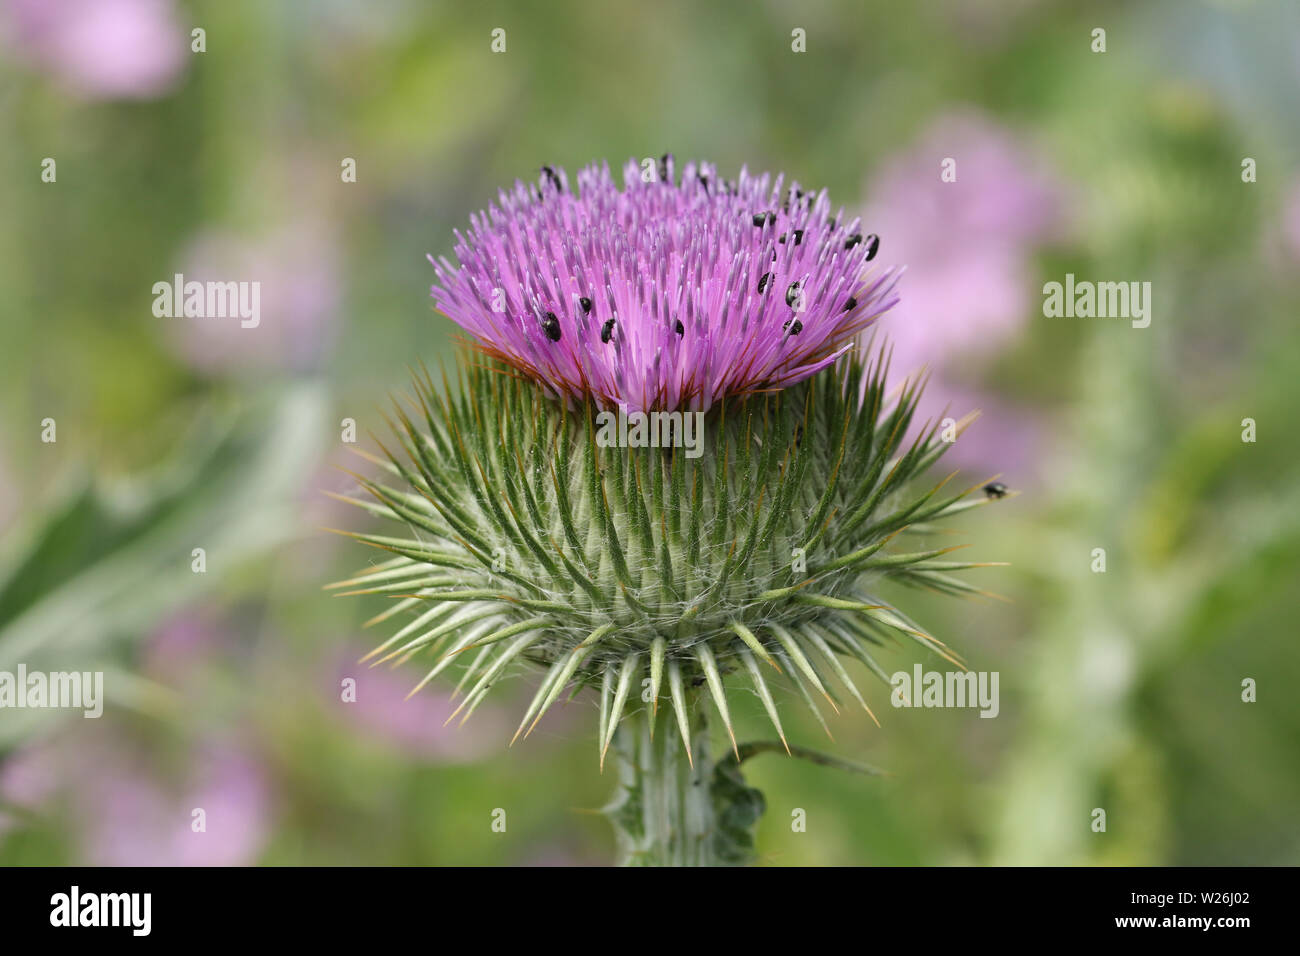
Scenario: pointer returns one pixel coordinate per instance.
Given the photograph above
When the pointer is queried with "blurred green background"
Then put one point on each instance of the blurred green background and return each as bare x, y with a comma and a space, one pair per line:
1120, 690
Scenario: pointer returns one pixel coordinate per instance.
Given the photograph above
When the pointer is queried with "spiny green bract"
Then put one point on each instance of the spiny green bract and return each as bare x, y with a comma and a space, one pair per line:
526, 541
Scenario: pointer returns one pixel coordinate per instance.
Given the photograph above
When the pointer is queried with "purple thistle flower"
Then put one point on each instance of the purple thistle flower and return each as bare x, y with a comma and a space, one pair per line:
668, 295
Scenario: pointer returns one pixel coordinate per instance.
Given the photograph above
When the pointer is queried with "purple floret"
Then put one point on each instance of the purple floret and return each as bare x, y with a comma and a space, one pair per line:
671, 294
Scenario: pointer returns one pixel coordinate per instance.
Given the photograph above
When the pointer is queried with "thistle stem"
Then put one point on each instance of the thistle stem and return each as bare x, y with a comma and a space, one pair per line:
663, 811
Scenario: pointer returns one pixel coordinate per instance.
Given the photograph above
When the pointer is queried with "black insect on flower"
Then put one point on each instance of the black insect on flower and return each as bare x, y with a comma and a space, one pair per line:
553, 178
551, 326
666, 168
996, 489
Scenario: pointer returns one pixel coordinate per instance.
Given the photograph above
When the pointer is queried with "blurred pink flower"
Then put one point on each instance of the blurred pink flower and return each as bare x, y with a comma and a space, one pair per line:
28, 777
297, 270
129, 815
967, 245
131, 821
1007, 439
415, 726
100, 49
183, 644
970, 285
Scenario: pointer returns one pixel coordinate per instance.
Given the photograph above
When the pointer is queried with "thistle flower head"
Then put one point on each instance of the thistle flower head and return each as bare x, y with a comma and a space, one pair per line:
654, 576
673, 293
